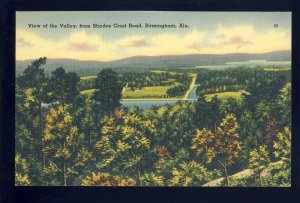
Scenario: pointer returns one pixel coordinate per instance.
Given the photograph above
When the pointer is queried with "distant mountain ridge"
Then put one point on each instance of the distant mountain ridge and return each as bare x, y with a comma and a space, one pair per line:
150, 62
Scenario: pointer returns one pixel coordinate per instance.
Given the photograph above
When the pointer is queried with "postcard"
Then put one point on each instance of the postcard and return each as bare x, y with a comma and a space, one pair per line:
153, 98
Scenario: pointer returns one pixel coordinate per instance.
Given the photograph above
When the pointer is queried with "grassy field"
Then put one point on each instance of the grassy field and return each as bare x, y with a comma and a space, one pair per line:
276, 69
88, 77
224, 95
88, 92
163, 71
148, 92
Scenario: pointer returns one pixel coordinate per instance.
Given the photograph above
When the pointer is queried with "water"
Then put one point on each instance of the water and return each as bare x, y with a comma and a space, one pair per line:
250, 63
147, 104
253, 63
193, 94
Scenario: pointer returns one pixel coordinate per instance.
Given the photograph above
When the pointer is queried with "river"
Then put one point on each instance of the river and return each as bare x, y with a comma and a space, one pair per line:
147, 104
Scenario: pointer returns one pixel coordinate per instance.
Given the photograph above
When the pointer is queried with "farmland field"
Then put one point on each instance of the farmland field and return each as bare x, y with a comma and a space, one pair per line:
88, 77
148, 92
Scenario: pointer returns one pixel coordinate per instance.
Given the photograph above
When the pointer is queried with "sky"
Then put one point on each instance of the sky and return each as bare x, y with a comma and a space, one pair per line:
207, 33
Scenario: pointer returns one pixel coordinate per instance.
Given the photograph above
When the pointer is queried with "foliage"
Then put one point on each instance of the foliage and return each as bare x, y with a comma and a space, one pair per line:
91, 139
125, 144
284, 106
223, 145
279, 177
87, 83
165, 164
108, 93
259, 159
105, 179
151, 179
34, 78
189, 174
178, 127
62, 143
271, 132
21, 176
282, 145
208, 113
177, 90
154, 78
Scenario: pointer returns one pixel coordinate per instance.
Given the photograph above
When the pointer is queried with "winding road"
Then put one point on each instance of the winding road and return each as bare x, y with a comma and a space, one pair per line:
192, 85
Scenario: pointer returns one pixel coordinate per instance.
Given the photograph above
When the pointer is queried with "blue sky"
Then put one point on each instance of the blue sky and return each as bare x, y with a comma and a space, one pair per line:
208, 32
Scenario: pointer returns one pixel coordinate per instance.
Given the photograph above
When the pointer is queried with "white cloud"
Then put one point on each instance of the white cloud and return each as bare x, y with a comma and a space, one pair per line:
80, 45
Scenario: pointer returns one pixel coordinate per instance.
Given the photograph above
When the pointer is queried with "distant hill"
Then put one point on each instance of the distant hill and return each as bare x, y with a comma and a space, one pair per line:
141, 63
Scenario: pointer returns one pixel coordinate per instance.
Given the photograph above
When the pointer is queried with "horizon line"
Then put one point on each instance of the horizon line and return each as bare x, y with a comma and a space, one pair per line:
167, 55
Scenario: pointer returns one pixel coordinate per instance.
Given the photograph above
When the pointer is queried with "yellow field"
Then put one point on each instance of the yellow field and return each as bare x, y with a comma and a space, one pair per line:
276, 69
87, 77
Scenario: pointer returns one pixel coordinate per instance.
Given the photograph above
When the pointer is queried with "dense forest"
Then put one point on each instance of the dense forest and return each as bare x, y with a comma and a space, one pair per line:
97, 141
234, 79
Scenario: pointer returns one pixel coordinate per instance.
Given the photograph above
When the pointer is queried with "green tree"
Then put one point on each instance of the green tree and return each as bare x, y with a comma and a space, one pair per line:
179, 127
152, 179
189, 174
282, 146
271, 133
259, 159
200, 116
26, 139
222, 146
83, 119
232, 105
284, 105
106, 179
214, 114
72, 90
108, 93
58, 84
21, 172
282, 150
65, 86
34, 79
62, 143
252, 138
125, 145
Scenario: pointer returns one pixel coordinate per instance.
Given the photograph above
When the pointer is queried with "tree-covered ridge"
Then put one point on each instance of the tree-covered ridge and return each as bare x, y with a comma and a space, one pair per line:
96, 141
140, 80
237, 79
